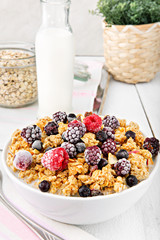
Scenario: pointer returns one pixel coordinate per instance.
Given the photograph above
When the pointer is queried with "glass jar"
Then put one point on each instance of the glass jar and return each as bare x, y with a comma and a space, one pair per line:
55, 58
18, 82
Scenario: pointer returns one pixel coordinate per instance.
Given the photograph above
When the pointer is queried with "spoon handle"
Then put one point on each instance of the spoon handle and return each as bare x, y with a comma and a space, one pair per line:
35, 227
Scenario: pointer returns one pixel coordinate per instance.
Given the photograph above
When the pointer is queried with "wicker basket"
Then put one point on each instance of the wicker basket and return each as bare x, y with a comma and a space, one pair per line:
132, 53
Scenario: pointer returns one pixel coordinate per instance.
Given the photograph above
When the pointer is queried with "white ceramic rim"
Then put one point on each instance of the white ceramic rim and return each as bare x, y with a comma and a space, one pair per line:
70, 198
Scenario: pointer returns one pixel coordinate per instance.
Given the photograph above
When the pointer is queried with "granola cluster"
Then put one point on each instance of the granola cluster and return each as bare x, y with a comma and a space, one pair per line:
81, 176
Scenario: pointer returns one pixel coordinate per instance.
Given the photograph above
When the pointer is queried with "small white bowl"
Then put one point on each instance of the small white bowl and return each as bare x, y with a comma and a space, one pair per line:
76, 210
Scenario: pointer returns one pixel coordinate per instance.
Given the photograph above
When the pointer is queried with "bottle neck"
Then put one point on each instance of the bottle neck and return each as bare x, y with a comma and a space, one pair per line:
55, 13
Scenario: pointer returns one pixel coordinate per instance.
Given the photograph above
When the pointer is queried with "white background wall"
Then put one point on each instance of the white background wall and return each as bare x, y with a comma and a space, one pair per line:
20, 20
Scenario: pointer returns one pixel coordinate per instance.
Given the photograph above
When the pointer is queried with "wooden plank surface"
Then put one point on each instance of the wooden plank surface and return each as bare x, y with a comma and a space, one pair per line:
150, 97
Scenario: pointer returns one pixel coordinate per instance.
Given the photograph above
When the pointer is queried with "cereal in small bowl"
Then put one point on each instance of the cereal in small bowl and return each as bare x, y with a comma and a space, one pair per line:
82, 156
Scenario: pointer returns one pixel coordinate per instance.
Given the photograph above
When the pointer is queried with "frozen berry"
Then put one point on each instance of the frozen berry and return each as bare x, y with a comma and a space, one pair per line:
131, 180
51, 128
80, 146
93, 123
64, 136
75, 131
60, 117
96, 192
71, 117
47, 149
84, 191
109, 132
37, 145
102, 163
70, 148
122, 154
152, 145
130, 134
122, 167
22, 160
44, 186
55, 159
31, 133
92, 155
111, 121
109, 146
101, 136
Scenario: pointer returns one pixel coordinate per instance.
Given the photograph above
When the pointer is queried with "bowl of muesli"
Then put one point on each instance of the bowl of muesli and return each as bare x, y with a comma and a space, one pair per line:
81, 169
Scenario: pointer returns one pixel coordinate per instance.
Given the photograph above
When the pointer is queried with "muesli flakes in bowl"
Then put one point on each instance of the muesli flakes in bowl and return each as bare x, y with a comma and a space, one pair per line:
85, 156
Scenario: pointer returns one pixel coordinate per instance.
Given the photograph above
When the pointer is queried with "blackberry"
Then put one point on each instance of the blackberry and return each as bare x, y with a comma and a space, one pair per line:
95, 193
102, 163
130, 134
70, 149
131, 180
109, 132
44, 186
47, 149
92, 155
37, 145
71, 117
109, 146
101, 136
84, 191
122, 154
111, 121
75, 131
152, 145
60, 117
122, 167
51, 128
31, 133
80, 146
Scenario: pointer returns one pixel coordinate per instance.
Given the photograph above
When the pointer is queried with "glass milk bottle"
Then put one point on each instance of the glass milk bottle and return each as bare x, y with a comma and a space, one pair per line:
54, 58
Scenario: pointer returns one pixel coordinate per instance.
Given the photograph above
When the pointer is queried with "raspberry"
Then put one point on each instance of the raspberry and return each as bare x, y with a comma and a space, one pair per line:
152, 145
51, 128
110, 132
22, 160
92, 155
55, 159
70, 149
75, 131
109, 146
122, 167
93, 123
31, 133
111, 121
59, 117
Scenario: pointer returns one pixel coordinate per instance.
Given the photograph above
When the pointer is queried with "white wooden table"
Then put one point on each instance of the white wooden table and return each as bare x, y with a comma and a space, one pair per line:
139, 103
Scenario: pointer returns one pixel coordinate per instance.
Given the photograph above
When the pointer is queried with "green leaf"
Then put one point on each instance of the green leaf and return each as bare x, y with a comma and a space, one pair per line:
124, 12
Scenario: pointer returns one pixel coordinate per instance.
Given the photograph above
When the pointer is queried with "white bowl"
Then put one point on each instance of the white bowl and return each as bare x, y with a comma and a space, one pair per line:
76, 210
